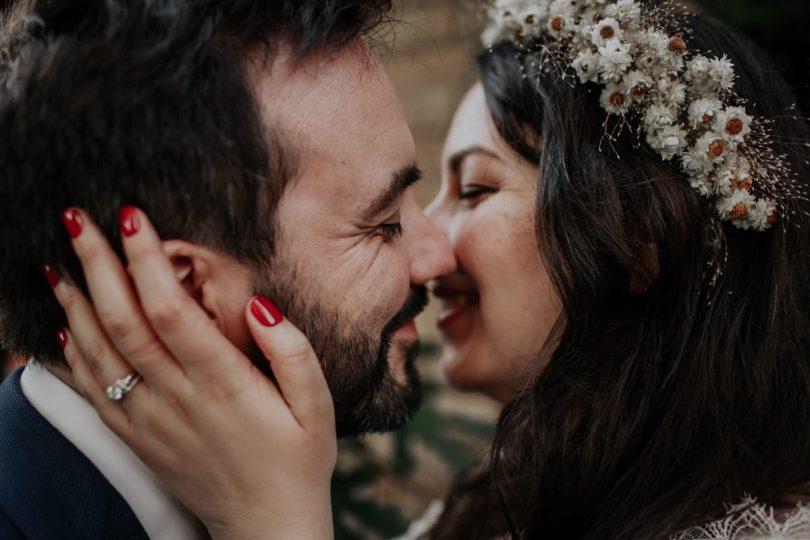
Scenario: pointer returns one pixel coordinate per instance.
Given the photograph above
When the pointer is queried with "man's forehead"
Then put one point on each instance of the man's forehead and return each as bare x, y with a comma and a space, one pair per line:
340, 116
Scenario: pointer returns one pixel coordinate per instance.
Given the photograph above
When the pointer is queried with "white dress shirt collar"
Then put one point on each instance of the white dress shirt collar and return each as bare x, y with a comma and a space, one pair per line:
161, 516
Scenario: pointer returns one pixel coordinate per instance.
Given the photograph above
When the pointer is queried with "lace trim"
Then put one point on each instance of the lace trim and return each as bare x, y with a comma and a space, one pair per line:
751, 520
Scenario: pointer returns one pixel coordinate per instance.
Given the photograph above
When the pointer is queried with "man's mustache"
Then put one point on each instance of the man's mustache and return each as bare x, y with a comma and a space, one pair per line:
414, 305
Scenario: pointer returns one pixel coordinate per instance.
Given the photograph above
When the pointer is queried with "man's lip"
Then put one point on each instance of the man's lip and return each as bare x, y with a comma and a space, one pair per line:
408, 329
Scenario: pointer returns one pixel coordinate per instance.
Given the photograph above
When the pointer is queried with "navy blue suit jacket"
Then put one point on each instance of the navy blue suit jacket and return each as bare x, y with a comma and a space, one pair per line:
48, 489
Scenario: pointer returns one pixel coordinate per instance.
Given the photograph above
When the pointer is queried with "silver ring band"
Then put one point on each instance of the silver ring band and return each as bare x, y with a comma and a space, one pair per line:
120, 388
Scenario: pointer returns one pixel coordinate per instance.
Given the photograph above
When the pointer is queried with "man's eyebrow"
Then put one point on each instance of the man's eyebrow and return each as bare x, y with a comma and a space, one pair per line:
458, 158
400, 181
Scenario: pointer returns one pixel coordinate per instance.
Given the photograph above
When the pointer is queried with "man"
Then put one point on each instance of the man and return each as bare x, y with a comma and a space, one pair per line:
267, 145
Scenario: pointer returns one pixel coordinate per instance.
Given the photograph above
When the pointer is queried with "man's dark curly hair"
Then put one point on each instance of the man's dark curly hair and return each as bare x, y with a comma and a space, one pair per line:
105, 103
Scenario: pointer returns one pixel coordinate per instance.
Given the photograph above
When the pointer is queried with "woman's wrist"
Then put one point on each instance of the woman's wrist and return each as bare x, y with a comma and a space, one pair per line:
308, 522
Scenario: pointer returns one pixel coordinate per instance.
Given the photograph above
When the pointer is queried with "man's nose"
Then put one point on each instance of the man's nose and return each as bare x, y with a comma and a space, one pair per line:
432, 255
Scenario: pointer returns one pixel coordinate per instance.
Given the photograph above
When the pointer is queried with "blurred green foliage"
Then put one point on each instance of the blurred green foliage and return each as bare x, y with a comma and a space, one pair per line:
359, 514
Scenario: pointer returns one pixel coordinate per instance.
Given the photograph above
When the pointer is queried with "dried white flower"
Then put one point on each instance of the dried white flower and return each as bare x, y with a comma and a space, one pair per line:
668, 141
700, 184
733, 123
760, 215
615, 59
673, 92
638, 85
721, 72
736, 206
567, 8
614, 99
704, 111
659, 115
734, 175
712, 146
627, 12
586, 64
606, 29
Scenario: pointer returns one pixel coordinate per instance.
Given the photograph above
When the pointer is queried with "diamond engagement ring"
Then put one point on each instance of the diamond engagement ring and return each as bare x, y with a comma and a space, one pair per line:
120, 388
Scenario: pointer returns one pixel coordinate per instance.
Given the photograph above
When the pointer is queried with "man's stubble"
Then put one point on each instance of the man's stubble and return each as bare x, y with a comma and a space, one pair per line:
366, 394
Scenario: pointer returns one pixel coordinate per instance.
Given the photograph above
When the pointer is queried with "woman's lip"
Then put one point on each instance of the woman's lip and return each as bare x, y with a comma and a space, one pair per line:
455, 309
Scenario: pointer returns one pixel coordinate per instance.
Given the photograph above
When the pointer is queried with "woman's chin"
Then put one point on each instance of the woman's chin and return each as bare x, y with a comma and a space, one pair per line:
460, 373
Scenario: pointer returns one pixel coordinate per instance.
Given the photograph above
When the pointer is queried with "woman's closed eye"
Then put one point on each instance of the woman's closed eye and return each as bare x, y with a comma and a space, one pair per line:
473, 194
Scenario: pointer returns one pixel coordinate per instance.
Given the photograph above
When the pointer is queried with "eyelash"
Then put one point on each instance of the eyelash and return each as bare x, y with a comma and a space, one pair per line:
473, 192
391, 231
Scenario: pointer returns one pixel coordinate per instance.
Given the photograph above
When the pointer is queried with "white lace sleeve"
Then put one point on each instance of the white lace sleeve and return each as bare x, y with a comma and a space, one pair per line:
753, 521
421, 526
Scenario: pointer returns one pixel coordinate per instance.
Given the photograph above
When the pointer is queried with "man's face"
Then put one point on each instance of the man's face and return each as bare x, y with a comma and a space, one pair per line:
354, 249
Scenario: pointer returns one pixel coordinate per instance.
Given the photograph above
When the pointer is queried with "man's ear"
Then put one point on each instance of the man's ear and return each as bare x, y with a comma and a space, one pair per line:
218, 283
190, 265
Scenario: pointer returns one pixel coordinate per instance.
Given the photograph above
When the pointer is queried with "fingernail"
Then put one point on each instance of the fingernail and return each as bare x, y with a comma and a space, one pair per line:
72, 220
51, 275
130, 224
62, 338
265, 312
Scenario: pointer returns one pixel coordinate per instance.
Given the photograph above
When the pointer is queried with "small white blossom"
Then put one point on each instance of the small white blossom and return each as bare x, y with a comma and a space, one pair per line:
673, 92
696, 163
558, 25
704, 111
638, 85
659, 115
733, 123
566, 8
713, 147
531, 19
586, 64
605, 30
697, 69
721, 72
760, 215
614, 99
739, 201
700, 184
615, 59
649, 49
627, 12
734, 175
654, 40
668, 141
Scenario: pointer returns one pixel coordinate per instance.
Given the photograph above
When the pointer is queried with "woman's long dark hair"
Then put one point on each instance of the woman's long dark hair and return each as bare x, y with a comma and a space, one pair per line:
666, 396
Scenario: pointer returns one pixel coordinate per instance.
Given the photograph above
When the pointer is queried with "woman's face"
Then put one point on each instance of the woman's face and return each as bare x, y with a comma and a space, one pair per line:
499, 307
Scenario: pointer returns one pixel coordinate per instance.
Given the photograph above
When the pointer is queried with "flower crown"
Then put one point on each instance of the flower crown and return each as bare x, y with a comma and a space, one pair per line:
685, 102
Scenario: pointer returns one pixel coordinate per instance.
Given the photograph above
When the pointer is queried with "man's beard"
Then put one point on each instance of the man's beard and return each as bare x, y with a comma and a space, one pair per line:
366, 395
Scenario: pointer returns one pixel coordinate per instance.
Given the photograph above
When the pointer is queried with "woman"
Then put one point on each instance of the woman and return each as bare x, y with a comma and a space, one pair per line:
647, 336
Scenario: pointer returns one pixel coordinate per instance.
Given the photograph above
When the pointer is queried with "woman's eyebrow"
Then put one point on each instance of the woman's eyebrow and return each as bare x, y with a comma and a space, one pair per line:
458, 158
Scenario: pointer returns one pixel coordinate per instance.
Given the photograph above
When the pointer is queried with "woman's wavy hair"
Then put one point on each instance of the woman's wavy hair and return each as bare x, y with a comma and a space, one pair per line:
666, 394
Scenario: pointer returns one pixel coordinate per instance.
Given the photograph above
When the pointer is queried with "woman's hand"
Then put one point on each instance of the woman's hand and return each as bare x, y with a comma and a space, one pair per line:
252, 459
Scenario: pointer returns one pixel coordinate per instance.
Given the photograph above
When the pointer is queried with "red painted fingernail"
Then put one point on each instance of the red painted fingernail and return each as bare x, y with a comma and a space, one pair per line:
51, 275
130, 224
73, 222
265, 312
62, 338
